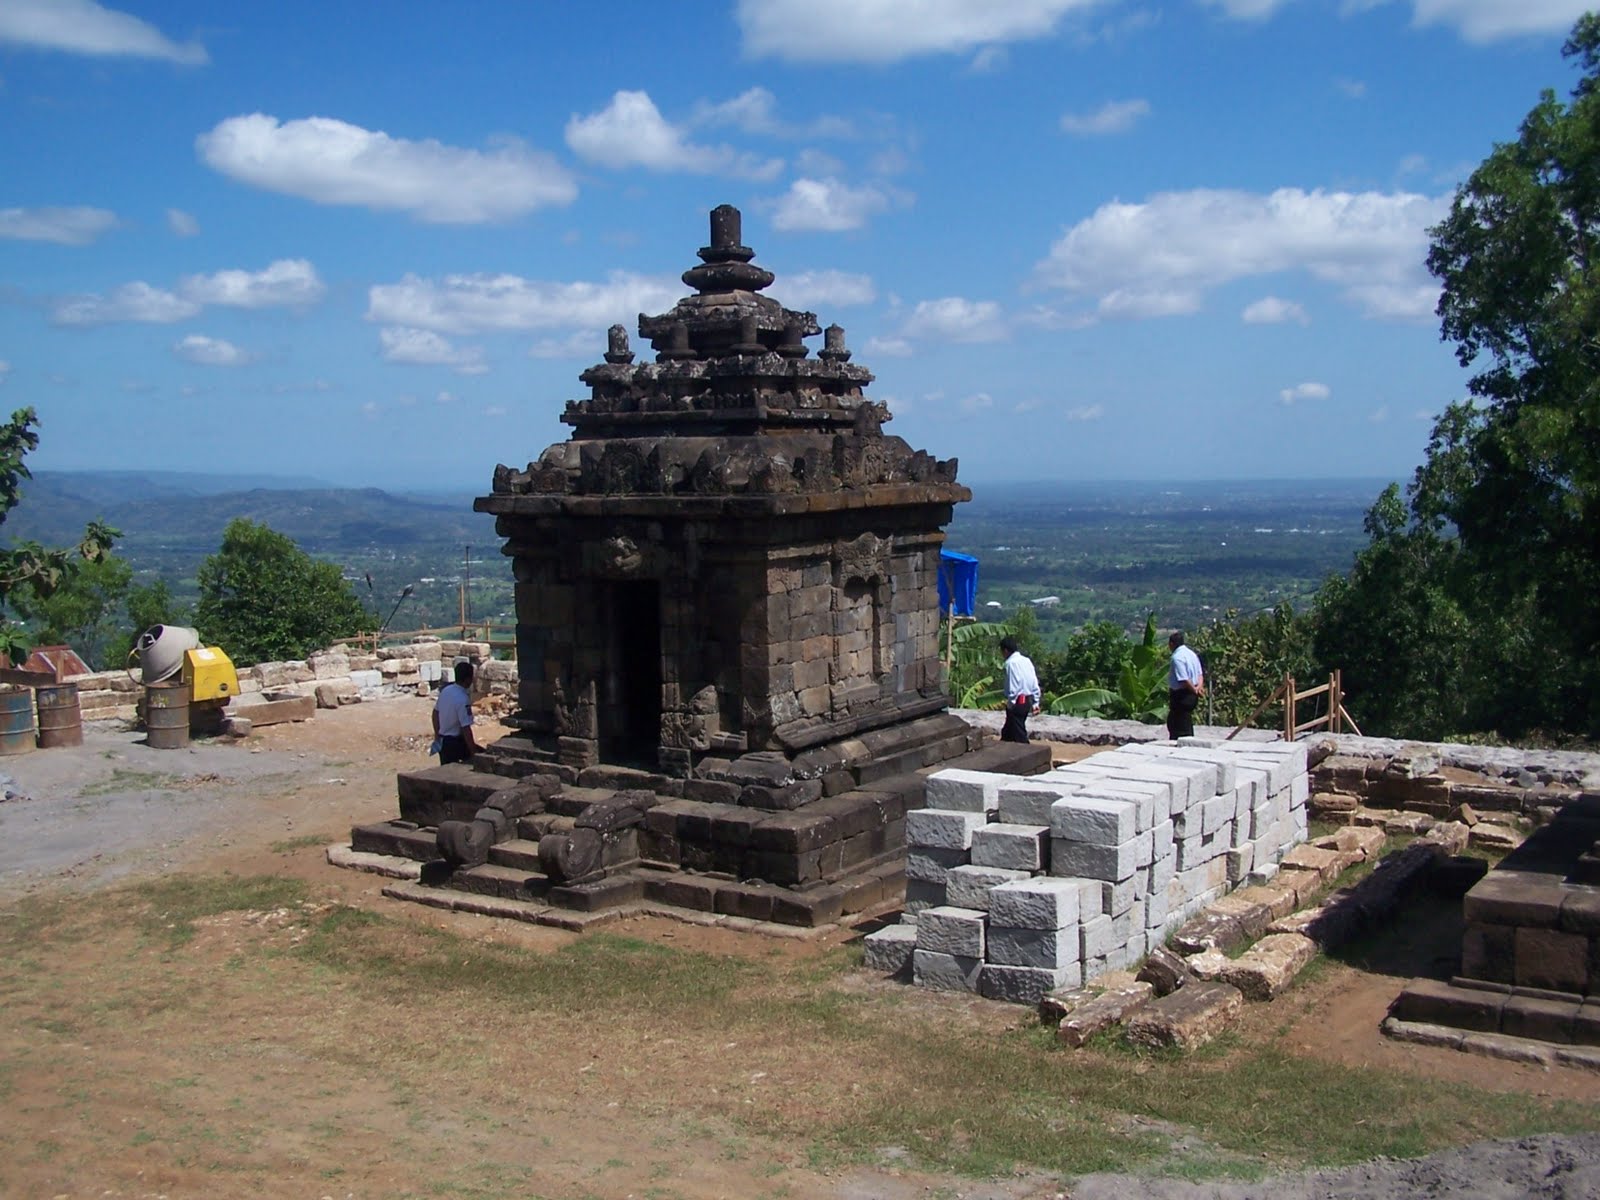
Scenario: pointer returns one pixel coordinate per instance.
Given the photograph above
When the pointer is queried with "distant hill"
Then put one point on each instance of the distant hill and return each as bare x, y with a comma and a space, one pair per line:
180, 512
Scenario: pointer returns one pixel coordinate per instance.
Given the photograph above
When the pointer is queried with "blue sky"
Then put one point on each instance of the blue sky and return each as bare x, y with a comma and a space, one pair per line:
377, 242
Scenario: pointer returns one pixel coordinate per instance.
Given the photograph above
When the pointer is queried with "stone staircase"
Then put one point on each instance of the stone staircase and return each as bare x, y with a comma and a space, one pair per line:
800, 844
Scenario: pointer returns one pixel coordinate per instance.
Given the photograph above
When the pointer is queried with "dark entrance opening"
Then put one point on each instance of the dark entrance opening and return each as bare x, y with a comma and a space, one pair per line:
630, 710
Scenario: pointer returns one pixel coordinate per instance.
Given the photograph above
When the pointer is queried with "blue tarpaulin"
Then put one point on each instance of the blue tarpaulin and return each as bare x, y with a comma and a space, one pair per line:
958, 583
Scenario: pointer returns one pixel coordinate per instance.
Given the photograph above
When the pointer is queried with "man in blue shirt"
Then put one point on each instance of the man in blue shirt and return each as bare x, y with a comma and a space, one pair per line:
1022, 691
452, 718
1186, 683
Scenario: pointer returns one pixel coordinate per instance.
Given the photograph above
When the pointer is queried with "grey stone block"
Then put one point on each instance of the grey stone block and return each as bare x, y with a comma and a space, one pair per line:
1132, 762
1095, 938
889, 949
1026, 985
969, 886
1216, 811
1048, 948
1028, 801
921, 895
1013, 847
942, 829
960, 790
1094, 820
951, 930
932, 865
945, 972
1110, 863
1042, 902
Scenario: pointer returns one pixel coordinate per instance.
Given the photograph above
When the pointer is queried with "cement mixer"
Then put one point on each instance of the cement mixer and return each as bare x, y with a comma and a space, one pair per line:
186, 684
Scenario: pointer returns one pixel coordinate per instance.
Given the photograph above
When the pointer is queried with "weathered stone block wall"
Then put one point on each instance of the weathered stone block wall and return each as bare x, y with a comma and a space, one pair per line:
1019, 886
337, 675
1438, 778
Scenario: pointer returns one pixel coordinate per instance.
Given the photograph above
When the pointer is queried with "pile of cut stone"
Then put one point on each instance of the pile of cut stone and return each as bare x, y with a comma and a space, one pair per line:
1018, 886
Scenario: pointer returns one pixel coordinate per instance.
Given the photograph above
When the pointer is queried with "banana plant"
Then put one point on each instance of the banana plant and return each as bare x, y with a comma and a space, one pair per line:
976, 665
1141, 693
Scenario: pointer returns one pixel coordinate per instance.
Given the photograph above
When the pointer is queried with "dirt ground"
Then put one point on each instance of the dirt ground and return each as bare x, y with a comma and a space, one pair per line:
79, 820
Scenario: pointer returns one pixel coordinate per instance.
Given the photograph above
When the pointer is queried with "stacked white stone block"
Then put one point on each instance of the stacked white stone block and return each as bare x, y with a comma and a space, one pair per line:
1017, 886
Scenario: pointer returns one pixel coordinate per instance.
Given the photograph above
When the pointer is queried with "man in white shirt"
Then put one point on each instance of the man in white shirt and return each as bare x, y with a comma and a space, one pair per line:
452, 718
1186, 683
1022, 691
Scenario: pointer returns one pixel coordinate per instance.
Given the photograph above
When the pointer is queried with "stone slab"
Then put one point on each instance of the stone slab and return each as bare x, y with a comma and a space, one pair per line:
1025, 985
1189, 1017
1013, 847
969, 885
889, 950
945, 972
1043, 902
947, 929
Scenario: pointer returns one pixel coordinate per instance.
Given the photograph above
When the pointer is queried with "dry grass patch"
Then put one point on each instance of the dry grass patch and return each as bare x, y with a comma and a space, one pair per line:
227, 1034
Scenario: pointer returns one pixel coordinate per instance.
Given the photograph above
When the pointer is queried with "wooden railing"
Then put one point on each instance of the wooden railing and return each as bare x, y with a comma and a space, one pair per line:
1334, 718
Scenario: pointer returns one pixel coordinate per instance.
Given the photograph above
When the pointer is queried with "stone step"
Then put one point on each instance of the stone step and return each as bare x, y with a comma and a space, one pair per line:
401, 839
1189, 1017
454, 792
518, 854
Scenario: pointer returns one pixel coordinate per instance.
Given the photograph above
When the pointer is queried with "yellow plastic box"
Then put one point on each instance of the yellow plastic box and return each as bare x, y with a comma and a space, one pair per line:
209, 673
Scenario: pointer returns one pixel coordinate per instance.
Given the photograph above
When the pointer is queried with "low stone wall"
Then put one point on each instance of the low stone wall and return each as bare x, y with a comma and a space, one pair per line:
335, 676
1440, 778
1018, 886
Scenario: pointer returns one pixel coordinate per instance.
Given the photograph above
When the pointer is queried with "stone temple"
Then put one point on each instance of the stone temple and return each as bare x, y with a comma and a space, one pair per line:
727, 635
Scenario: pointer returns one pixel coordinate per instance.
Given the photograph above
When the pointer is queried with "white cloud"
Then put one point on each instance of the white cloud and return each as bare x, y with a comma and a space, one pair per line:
631, 132
1086, 412
495, 410
77, 226
954, 319
371, 409
886, 31
1354, 88
1271, 310
1491, 20
977, 402
825, 289
581, 345
424, 348
131, 302
1247, 10
331, 162
84, 27
826, 206
446, 398
1379, 414
889, 347
755, 111
5, 370
1159, 258
482, 303
1117, 116
1304, 391
289, 282
181, 223
988, 60
211, 352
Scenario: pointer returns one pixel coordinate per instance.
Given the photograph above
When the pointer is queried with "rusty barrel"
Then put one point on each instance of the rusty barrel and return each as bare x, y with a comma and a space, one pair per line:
166, 715
16, 721
60, 720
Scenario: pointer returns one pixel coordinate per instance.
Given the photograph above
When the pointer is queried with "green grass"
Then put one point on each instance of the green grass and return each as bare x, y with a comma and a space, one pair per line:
125, 779
305, 840
170, 906
847, 1074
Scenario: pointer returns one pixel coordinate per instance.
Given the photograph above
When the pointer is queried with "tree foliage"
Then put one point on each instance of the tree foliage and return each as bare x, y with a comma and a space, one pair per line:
29, 571
1515, 474
1246, 659
1472, 608
263, 598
